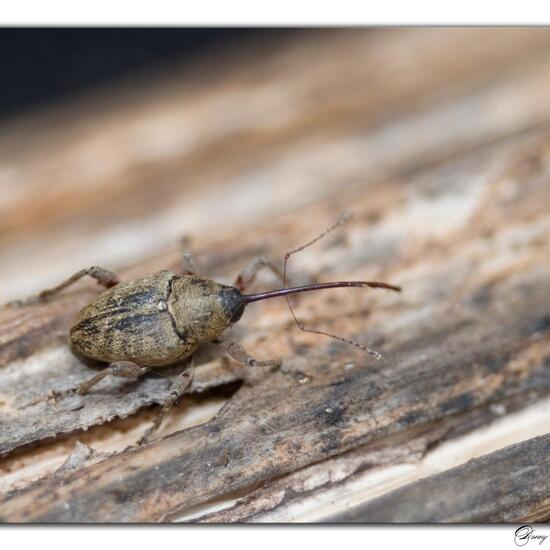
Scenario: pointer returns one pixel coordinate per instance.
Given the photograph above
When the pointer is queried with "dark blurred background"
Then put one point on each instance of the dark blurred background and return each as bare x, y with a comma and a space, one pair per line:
38, 65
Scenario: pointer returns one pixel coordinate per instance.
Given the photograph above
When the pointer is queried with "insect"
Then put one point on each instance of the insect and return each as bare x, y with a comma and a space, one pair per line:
138, 325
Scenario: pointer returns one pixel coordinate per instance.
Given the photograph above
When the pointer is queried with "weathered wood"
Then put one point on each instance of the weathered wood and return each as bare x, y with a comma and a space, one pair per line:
449, 196
510, 485
488, 345
42, 368
273, 430
318, 491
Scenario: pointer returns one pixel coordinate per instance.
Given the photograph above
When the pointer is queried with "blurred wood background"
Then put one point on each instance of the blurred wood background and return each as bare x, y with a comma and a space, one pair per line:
438, 143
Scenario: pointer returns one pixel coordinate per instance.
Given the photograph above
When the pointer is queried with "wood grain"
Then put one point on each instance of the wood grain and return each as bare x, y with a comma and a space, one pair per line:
510, 485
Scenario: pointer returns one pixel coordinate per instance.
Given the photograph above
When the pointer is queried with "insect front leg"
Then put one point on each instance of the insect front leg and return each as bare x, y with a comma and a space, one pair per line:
246, 277
239, 354
179, 386
103, 276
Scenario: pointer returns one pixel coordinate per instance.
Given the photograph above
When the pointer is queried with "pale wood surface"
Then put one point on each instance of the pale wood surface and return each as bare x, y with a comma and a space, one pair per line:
508, 485
438, 143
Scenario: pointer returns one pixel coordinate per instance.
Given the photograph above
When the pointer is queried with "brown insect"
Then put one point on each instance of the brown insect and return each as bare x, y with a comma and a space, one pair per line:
161, 319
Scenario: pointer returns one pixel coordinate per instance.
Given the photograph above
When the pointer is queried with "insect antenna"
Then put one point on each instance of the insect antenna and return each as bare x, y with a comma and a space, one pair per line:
343, 219
286, 292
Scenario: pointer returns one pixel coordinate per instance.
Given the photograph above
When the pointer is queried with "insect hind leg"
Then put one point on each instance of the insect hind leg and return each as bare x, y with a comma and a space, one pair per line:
121, 369
103, 276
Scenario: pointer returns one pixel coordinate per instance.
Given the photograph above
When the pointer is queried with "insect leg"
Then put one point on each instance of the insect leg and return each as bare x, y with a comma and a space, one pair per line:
239, 354
122, 369
247, 276
188, 265
180, 384
102, 276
